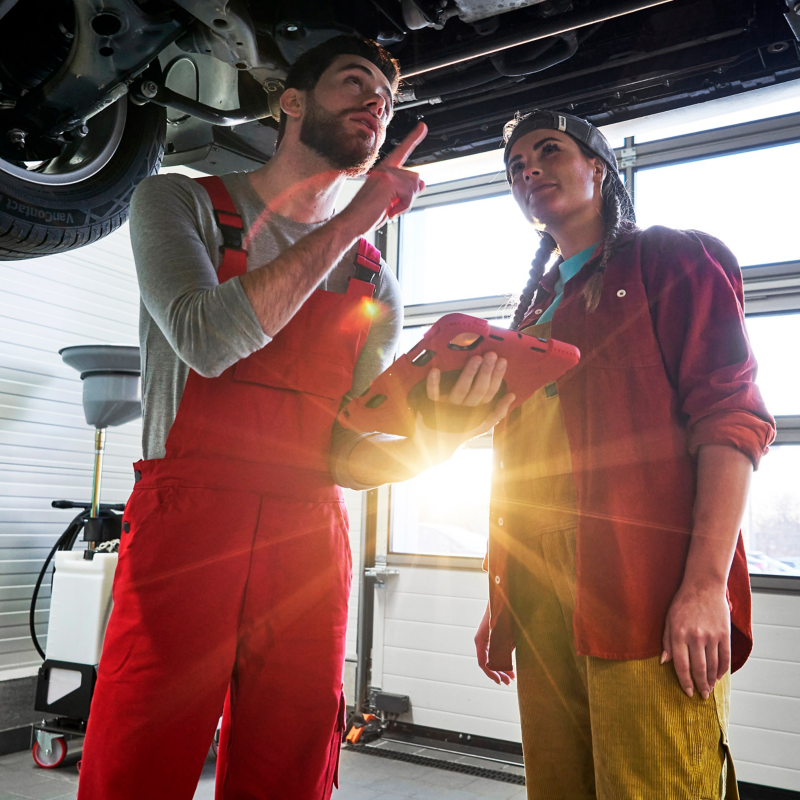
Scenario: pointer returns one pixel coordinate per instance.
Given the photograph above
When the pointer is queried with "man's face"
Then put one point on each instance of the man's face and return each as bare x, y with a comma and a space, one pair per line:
346, 114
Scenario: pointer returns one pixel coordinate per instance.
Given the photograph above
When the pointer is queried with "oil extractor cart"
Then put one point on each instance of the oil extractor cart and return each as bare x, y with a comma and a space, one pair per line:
80, 601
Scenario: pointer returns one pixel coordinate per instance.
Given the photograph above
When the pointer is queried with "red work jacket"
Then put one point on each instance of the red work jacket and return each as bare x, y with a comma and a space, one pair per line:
665, 367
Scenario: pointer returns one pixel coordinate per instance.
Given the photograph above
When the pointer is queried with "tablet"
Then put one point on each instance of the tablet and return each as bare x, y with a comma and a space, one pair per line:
393, 399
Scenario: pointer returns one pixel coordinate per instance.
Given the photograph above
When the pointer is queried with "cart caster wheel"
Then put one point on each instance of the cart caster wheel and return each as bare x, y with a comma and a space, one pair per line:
52, 759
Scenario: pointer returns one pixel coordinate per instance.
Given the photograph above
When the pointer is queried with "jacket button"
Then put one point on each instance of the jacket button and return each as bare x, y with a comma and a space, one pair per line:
126, 526
500, 521
538, 311
137, 476
497, 579
621, 293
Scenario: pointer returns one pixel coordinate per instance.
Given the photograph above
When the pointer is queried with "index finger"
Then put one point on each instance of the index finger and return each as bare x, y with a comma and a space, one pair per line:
399, 155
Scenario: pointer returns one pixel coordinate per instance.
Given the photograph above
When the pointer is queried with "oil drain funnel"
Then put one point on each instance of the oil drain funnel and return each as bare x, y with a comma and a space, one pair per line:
112, 395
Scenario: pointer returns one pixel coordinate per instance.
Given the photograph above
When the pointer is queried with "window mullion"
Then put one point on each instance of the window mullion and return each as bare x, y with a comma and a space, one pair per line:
717, 142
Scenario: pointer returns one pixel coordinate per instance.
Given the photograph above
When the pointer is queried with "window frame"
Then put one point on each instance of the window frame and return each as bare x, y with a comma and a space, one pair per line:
769, 289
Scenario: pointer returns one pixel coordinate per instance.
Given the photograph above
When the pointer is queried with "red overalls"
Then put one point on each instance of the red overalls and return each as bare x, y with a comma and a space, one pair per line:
234, 571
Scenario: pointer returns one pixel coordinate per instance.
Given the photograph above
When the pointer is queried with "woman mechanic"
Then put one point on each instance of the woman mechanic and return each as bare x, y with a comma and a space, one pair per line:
615, 560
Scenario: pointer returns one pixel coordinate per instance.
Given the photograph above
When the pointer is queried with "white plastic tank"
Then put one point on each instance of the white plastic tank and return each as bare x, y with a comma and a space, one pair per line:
80, 606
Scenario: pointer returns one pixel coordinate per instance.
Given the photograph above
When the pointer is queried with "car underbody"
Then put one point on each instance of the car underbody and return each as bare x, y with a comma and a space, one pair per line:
73, 71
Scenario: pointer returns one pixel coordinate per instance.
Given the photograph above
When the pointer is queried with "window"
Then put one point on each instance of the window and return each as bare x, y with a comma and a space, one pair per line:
490, 164
774, 340
488, 252
445, 511
465, 253
744, 199
771, 526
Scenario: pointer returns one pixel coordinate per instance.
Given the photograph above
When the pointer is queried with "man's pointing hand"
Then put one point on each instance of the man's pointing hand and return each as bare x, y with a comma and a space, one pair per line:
388, 190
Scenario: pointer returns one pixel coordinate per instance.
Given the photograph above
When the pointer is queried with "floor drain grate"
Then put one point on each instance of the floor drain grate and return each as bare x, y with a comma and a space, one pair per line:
450, 766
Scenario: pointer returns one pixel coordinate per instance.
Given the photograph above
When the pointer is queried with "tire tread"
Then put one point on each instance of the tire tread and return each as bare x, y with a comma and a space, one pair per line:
20, 240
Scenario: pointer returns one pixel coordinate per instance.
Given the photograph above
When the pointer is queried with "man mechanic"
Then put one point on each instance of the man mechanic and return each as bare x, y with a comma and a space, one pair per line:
260, 312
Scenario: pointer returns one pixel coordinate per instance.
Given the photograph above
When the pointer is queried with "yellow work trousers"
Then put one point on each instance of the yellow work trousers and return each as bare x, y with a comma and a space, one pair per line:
596, 728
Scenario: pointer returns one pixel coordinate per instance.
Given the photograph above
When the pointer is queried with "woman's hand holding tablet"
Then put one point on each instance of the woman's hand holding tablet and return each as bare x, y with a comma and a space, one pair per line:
455, 412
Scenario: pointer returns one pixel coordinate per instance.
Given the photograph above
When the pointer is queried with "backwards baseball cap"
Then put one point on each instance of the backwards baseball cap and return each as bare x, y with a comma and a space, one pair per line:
580, 130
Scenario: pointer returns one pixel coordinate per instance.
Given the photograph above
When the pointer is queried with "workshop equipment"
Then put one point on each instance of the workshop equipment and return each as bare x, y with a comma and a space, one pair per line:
80, 602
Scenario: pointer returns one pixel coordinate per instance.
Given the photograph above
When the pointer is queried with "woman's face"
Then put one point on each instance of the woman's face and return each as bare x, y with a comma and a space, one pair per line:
552, 180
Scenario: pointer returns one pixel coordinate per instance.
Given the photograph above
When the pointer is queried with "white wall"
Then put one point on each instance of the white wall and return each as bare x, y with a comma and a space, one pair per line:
425, 621
765, 697
46, 447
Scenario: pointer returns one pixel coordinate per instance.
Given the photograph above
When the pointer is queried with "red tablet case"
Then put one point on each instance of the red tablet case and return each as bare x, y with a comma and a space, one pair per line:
394, 398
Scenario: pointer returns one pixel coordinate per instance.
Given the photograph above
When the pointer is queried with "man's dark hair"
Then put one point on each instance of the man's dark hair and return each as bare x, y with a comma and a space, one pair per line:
305, 73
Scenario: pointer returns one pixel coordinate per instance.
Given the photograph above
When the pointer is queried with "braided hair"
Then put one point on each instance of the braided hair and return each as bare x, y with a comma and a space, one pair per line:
614, 225
547, 246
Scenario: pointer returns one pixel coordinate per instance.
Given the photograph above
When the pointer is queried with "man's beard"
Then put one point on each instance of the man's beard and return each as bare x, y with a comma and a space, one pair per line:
325, 134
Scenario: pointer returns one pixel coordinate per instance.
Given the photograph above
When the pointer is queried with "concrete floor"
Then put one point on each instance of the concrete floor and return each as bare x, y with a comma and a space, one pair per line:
362, 777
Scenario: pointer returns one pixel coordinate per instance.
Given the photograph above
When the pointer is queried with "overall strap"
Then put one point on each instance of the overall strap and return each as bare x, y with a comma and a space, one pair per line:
368, 263
234, 258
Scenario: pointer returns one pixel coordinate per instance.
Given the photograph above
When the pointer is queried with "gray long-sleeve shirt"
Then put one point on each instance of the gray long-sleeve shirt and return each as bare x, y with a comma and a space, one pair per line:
188, 320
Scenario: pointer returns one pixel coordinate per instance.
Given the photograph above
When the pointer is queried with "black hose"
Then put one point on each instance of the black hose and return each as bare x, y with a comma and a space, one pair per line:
526, 53
560, 49
65, 542
498, 83
455, 83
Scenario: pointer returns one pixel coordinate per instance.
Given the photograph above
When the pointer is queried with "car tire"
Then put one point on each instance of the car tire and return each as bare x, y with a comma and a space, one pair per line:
39, 219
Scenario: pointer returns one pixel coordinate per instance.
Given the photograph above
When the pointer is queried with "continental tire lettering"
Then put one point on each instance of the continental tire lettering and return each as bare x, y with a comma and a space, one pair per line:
41, 214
